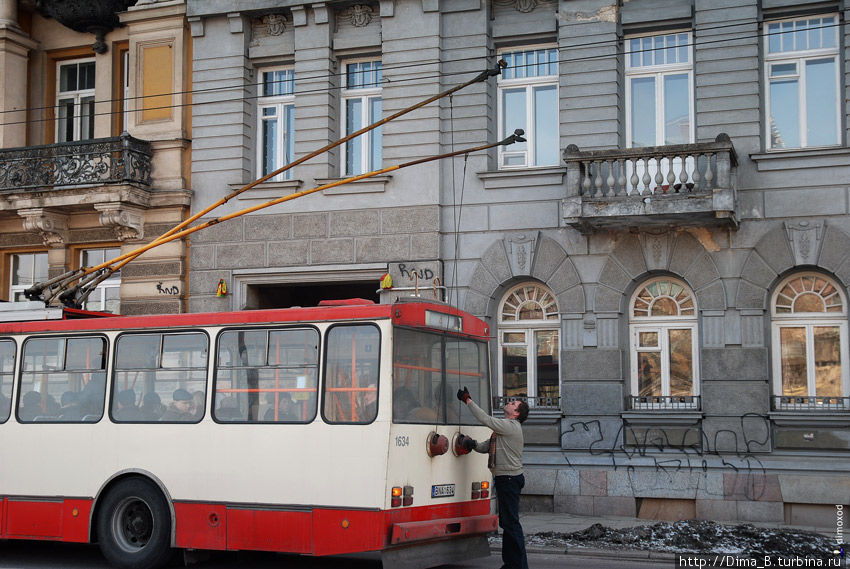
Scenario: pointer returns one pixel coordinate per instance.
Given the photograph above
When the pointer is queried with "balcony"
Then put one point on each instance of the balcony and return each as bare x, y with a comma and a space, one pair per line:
119, 160
810, 404
660, 186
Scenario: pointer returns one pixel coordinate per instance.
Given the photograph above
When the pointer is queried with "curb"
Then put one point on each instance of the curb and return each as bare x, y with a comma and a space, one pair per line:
636, 554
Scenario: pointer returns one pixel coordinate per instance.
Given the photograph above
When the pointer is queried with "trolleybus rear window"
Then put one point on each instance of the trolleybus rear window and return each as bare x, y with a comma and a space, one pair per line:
428, 369
7, 368
267, 376
160, 377
63, 379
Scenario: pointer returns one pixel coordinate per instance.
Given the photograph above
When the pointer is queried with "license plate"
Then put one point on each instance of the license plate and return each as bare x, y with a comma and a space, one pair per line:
442, 490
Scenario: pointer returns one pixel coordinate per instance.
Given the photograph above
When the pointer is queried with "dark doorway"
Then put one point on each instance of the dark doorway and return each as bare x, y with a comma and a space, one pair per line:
284, 296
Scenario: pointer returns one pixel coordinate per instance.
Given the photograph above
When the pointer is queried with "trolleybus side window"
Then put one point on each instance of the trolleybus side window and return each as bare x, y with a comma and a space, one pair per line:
63, 379
420, 361
160, 377
7, 368
352, 357
268, 376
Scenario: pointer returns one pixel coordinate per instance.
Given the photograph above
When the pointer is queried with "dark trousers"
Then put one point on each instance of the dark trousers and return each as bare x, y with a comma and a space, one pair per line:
513, 541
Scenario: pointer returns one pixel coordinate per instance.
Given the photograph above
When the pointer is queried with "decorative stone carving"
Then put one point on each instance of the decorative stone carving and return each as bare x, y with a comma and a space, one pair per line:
270, 25
127, 222
360, 15
51, 226
523, 6
805, 238
520, 250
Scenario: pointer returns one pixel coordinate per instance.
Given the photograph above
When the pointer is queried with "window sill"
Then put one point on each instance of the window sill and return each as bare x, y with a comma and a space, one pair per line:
268, 190
811, 418
375, 184
823, 156
661, 417
526, 177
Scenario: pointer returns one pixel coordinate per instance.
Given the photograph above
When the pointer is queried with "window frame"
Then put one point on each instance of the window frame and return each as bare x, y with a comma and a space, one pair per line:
530, 329
10, 375
368, 139
662, 325
808, 321
529, 83
77, 95
113, 392
326, 336
10, 263
267, 330
799, 58
114, 280
283, 104
658, 72
19, 391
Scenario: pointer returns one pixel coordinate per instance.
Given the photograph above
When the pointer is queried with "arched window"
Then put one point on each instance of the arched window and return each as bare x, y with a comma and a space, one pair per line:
529, 345
663, 351
809, 344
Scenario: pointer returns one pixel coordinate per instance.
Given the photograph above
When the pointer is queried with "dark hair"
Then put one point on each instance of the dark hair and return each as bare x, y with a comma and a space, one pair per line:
522, 411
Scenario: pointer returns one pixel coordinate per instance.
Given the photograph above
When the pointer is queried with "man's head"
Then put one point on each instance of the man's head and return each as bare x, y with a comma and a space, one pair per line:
516, 409
184, 401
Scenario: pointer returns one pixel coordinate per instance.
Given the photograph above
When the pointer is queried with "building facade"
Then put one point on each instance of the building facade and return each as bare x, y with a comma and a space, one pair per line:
665, 261
94, 146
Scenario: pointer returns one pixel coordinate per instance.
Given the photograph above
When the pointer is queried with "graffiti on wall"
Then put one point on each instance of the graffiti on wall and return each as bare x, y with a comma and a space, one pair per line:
679, 456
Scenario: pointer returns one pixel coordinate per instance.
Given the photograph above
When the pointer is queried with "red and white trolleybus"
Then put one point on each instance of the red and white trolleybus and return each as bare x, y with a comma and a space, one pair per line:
318, 431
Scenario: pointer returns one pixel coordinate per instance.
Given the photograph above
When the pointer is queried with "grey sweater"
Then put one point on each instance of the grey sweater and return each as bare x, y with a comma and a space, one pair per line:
509, 441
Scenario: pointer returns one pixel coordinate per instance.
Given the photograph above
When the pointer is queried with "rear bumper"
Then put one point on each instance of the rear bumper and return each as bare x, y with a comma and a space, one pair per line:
407, 532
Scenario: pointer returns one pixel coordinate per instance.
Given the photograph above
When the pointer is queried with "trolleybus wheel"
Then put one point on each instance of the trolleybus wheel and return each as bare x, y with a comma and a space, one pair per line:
134, 526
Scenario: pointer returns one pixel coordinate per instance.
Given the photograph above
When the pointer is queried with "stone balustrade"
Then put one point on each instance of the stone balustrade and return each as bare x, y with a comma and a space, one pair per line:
691, 184
116, 160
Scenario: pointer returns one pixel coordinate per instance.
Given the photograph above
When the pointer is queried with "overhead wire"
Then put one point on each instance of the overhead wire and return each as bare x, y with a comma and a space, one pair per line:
419, 78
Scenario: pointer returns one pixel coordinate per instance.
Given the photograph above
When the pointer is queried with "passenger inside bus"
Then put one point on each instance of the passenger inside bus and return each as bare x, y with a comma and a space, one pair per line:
228, 410
182, 408
70, 411
127, 409
30, 406
367, 408
286, 411
152, 408
5, 404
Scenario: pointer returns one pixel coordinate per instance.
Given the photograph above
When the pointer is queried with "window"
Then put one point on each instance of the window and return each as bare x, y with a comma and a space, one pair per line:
361, 106
160, 377
63, 379
428, 370
529, 345
802, 76
27, 269
528, 99
75, 100
106, 297
351, 374
663, 336
809, 339
267, 376
276, 115
659, 86
7, 368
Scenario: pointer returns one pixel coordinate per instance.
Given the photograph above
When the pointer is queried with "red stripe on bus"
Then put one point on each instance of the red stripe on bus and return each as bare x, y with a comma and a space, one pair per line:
63, 520
322, 531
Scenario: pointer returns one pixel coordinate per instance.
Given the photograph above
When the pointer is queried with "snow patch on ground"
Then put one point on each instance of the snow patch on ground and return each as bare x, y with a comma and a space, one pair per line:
691, 536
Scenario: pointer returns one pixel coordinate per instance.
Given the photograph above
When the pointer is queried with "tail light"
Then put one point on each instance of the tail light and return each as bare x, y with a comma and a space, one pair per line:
485, 489
401, 496
480, 490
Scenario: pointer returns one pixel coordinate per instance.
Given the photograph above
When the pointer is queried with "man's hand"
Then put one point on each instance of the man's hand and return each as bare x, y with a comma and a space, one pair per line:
463, 394
469, 443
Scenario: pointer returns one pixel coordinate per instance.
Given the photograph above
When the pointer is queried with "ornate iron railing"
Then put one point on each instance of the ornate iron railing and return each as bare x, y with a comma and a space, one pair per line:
533, 402
665, 403
806, 403
119, 159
